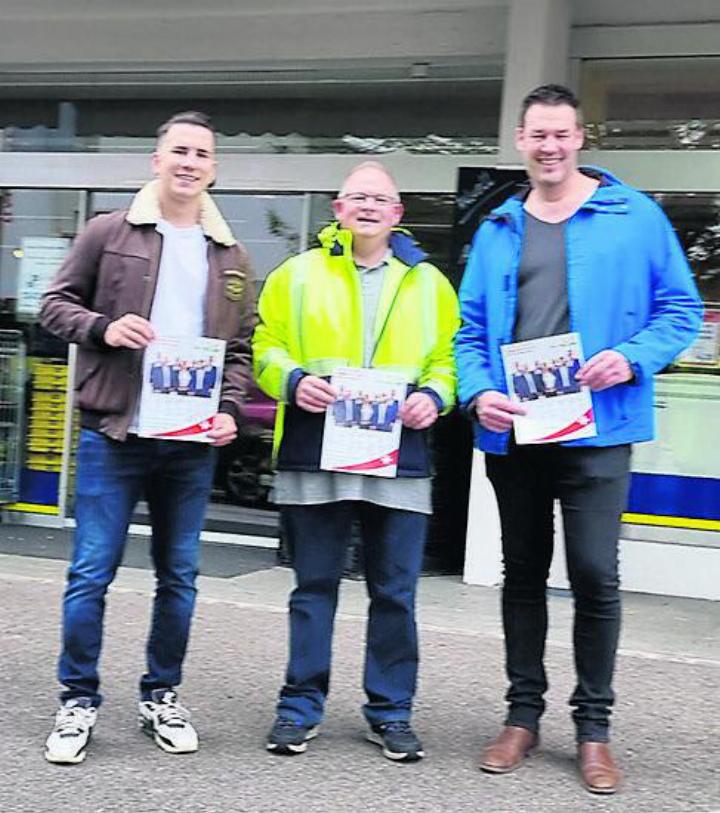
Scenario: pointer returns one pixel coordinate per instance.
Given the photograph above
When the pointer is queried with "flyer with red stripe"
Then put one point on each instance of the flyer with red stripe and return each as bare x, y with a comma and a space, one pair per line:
181, 388
362, 426
540, 376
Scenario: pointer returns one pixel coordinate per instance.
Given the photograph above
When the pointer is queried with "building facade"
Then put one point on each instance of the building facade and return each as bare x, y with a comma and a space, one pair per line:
300, 92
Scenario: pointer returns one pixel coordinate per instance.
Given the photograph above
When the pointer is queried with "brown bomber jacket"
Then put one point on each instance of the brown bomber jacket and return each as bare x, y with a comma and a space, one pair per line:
112, 270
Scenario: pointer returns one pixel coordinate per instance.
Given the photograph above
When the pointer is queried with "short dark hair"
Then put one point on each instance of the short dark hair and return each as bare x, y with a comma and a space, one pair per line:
552, 95
193, 117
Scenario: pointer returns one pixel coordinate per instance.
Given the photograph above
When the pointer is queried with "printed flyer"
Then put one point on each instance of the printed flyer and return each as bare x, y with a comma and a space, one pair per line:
362, 427
540, 375
181, 387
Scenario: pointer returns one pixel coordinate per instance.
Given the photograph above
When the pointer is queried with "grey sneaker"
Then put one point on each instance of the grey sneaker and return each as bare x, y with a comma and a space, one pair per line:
288, 737
68, 741
398, 741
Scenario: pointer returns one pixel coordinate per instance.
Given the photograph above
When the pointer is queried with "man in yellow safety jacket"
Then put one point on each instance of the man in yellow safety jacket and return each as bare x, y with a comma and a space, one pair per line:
364, 298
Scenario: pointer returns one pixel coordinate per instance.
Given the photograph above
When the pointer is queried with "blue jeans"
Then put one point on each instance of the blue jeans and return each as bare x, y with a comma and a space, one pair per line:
175, 477
393, 542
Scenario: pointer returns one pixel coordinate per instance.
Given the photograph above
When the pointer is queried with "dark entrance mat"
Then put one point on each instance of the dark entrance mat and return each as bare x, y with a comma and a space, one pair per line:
219, 560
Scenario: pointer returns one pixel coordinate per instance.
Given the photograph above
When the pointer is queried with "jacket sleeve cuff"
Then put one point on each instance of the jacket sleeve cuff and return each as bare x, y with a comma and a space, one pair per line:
468, 408
436, 398
230, 408
97, 331
292, 383
636, 369
636, 374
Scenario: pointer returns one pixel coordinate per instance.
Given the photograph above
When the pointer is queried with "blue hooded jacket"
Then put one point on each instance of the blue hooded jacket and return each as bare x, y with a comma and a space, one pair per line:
629, 289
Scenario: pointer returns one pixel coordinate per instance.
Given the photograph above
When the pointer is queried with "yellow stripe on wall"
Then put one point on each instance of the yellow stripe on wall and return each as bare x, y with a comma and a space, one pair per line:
31, 508
672, 522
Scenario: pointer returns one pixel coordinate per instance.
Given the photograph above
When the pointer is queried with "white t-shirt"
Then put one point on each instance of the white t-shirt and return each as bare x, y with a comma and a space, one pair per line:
178, 307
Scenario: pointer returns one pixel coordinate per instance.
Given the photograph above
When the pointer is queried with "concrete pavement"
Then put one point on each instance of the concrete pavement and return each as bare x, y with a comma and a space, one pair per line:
667, 731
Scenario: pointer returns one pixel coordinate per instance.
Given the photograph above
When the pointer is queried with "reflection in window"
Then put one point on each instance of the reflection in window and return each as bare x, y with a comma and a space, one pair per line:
354, 118
696, 219
663, 103
35, 230
268, 225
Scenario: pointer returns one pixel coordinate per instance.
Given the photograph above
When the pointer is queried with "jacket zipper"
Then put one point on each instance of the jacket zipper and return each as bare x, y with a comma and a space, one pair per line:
376, 343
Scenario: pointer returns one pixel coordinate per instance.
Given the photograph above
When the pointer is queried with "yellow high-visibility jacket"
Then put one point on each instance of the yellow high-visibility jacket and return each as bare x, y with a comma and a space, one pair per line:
311, 322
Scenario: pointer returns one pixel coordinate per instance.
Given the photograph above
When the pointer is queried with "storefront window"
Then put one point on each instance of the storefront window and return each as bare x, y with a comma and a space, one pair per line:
696, 219
652, 103
36, 228
675, 481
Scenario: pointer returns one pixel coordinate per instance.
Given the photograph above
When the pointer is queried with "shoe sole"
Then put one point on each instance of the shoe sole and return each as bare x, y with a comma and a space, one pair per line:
496, 769
290, 750
395, 756
599, 791
76, 760
146, 728
67, 760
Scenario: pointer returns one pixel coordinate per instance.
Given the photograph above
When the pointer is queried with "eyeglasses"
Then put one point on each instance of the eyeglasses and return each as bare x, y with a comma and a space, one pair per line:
362, 197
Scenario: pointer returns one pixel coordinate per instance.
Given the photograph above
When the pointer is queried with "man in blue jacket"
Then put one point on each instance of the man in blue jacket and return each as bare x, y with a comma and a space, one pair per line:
579, 251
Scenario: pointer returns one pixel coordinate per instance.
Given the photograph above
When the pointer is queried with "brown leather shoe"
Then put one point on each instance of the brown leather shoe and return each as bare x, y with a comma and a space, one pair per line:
508, 750
600, 773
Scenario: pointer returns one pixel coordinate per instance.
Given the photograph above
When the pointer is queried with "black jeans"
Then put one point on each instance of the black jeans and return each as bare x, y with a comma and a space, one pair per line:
591, 485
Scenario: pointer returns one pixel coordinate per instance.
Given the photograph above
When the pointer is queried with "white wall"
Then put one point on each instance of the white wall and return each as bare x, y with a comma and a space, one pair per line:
73, 34
69, 33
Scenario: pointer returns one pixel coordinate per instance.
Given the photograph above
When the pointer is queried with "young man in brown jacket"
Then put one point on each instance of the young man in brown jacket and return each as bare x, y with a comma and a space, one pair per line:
167, 266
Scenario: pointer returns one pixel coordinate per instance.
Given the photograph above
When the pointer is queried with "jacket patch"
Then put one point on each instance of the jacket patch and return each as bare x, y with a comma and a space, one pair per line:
234, 284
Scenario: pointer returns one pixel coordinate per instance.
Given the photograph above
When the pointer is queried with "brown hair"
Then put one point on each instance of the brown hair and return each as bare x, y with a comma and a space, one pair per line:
193, 117
553, 95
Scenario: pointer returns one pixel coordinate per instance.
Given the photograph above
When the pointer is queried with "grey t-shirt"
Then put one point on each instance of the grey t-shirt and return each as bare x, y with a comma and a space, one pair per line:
542, 300
317, 487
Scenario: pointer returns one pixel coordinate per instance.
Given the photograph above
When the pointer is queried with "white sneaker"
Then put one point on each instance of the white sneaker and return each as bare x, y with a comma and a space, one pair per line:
168, 723
69, 738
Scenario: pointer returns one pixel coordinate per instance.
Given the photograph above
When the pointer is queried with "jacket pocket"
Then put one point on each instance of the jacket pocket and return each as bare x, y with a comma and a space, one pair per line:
611, 408
86, 369
102, 380
121, 285
228, 319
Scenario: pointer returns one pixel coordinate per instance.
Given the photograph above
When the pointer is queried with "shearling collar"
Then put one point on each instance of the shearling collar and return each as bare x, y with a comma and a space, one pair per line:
145, 211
